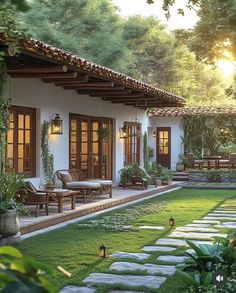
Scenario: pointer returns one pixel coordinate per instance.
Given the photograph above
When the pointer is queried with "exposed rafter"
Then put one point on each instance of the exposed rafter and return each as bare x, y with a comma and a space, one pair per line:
36, 69
44, 75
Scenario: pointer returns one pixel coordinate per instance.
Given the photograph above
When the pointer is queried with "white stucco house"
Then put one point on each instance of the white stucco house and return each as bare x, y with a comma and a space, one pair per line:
45, 81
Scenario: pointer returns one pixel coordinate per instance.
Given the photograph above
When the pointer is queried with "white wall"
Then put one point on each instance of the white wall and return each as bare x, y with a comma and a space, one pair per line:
49, 99
176, 132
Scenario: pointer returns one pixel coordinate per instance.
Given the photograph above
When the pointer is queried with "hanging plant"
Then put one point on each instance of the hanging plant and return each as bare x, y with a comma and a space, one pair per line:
47, 157
104, 133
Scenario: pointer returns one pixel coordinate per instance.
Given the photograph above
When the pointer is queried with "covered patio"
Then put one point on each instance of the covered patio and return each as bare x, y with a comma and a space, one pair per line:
120, 196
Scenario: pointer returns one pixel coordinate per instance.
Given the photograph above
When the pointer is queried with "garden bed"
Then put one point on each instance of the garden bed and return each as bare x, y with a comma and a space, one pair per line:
212, 176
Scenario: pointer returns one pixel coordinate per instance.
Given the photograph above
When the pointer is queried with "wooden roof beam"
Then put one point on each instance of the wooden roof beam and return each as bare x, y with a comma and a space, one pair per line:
62, 81
105, 93
94, 85
37, 69
89, 89
45, 75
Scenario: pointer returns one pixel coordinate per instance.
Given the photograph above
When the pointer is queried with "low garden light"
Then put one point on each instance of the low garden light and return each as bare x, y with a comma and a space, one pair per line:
123, 131
56, 124
172, 221
103, 251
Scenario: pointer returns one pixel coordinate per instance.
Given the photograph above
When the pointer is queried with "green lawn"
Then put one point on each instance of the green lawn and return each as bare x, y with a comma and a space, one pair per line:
76, 249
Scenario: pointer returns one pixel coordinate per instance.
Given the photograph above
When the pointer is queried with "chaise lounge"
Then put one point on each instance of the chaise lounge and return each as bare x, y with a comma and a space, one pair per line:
71, 179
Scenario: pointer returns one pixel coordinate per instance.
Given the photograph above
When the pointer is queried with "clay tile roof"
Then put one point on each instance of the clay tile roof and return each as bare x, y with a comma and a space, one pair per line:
178, 112
68, 58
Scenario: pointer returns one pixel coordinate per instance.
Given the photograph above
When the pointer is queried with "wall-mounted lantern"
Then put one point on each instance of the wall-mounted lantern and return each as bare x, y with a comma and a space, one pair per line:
56, 124
154, 134
123, 131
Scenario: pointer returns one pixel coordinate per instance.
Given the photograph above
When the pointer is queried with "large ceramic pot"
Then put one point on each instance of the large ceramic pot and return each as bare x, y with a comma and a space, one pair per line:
179, 167
9, 223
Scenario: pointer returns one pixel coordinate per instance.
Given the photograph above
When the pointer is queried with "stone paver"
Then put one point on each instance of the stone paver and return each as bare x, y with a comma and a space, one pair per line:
193, 235
152, 227
171, 242
151, 282
118, 291
76, 289
150, 269
131, 255
198, 225
173, 258
219, 218
196, 229
221, 215
231, 225
211, 222
190, 250
225, 211
158, 248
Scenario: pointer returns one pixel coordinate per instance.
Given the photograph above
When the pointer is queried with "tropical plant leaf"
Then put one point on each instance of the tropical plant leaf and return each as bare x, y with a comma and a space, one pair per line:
11, 251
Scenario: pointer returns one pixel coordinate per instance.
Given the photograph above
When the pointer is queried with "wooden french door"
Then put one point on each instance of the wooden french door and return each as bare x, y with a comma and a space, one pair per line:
90, 151
163, 146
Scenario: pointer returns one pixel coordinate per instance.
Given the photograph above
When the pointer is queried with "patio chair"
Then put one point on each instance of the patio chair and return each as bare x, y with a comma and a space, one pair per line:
192, 163
71, 179
30, 196
232, 160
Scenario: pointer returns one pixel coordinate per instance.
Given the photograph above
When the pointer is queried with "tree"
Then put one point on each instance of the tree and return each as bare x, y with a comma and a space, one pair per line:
89, 28
21, 5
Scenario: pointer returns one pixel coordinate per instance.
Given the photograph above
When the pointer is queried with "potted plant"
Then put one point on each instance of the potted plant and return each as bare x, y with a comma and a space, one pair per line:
10, 185
181, 163
166, 176
47, 157
104, 133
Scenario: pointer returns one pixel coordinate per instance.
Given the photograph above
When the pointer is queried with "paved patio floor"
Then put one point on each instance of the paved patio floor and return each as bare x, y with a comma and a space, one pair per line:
120, 196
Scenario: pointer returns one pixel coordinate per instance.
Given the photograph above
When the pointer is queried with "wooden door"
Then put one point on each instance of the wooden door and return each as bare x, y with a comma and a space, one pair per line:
90, 153
163, 146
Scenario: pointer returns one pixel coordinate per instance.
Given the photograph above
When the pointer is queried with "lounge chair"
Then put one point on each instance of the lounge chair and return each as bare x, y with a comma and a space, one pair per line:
192, 163
232, 160
71, 179
30, 196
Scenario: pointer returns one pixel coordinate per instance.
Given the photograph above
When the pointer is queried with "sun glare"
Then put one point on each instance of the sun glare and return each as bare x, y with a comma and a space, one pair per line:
226, 67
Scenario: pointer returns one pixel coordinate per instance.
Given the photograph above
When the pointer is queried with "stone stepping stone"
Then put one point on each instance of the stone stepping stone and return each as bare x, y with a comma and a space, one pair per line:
131, 255
158, 248
219, 218
150, 269
171, 242
221, 215
198, 225
179, 242
173, 258
76, 289
210, 222
225, 211
152, 227
193, 235
151, 282
195, 229
231, 225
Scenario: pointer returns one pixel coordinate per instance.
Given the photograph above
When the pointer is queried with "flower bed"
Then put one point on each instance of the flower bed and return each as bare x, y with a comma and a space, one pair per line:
212, 176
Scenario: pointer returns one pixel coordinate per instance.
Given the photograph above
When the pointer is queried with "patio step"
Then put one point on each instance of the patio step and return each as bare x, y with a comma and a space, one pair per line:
180, 176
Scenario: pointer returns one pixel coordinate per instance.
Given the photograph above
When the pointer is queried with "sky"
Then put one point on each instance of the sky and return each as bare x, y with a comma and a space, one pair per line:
134, 7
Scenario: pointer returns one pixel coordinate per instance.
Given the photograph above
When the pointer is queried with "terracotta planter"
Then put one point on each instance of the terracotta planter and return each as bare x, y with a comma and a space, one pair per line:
9, 223
49, 186
164, 182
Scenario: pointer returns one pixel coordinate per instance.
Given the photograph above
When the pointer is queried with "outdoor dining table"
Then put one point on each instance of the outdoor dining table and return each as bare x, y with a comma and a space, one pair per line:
59, 195
212, 158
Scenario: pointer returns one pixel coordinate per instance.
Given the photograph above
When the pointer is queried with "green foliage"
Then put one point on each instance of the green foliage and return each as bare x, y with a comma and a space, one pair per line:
118, 222
23, 274
10, 185
47, 157
145, 151
127, 172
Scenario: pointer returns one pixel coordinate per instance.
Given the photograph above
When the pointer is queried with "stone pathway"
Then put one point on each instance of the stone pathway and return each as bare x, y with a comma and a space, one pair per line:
150, 275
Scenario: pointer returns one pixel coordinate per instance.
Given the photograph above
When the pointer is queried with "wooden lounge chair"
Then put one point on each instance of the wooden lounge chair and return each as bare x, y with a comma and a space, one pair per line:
71, 179
30, 196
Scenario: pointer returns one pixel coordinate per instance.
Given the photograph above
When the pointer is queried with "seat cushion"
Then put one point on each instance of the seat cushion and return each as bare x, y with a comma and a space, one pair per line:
224, 161
65, 177
78, 184
101, 181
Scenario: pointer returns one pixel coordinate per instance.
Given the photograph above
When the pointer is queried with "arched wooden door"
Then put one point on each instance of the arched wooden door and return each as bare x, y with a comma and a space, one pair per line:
163, 146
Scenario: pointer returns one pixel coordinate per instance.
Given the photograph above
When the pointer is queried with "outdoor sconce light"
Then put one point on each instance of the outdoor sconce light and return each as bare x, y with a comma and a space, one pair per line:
154, 134
138, 131
172, 221
56, 124
123, 131
103, 251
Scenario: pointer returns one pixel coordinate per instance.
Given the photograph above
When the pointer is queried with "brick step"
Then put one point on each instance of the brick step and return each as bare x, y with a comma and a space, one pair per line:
180, 176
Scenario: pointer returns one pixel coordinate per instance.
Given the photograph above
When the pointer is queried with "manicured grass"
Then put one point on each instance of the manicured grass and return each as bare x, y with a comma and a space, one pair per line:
210, 185
76, 249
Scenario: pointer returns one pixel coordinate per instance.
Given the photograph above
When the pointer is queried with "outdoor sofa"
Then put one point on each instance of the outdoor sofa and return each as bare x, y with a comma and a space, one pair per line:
87, 189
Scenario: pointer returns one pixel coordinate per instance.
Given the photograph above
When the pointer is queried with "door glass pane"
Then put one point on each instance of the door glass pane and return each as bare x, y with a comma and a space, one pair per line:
20, 165
10, 151
84, 159
73, 148
27, 121
21, 121
20, 136
84, 126
95, 148
73, 125
73, 136
95, 125
20, 151
95, 136
84, 148
10, 136
27, 136
165, 134
84, 136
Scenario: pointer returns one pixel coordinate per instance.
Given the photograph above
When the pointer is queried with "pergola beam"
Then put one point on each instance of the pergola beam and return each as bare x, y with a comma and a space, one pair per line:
45, 75
37, 69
